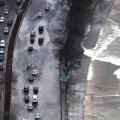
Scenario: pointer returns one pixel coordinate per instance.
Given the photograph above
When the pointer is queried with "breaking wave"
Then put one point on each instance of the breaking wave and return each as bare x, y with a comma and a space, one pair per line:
108, 46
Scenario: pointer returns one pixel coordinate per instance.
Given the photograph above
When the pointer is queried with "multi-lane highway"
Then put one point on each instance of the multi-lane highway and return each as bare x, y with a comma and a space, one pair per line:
31, 65
35, 53
44, 21
8, 10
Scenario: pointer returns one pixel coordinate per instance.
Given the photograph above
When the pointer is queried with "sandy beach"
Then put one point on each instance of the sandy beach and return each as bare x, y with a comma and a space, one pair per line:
102, 100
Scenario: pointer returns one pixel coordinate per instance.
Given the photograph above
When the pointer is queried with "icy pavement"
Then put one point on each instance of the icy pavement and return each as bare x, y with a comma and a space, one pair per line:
43, 59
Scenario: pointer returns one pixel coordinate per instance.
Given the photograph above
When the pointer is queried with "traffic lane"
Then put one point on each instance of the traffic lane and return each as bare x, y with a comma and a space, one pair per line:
36, 7
44, 51
29, 24
37, 58
47, 83
21, 58
8, 5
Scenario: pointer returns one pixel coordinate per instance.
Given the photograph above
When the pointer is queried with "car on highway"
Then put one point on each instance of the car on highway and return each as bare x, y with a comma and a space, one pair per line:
32, 37
39, 15
31, 78
35, 90
24, 119
2, 43
47, 8
6, 11
26, 99
30, 107
18, 2
2, 19
32, 34
41, 29
40, 40
34, 72
1, 57
28, 66
26, 89
37, 116
35, 99
32, 40
2, 3
30, 48
1, 66
1, 79
1, 50
6, 30
9, 22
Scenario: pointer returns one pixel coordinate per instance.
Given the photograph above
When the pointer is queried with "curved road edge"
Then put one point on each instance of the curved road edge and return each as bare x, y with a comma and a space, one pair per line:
9, 58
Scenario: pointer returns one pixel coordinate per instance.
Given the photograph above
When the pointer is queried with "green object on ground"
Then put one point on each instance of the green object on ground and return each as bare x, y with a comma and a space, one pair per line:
64, 78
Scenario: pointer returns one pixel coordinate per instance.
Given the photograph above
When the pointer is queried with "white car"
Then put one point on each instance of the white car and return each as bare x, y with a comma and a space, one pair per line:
35, 99
2, 43
39, 15
34, 72
37, 117
6, 30
1, 51
6, 11
2, 19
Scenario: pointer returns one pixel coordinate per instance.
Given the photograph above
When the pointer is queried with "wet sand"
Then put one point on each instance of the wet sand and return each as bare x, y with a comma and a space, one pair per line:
102, 100
103, 93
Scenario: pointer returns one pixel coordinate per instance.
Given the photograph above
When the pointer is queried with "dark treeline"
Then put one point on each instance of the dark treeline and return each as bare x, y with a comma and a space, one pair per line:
79, 16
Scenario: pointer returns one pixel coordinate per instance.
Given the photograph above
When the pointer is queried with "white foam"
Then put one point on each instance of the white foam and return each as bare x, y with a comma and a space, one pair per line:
117, 73
90, 73
104, 40
107, 37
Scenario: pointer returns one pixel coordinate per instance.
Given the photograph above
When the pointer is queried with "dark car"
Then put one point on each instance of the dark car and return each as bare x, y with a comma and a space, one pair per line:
1, 66
1, 57
31, 78
1, 79
30, 107
26, 89
41, 29
9, 22
26, 99
35, 90
40, 40
32, 40
32, 34
32, 37
2, 3
47, 8
18, 2
30, 48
